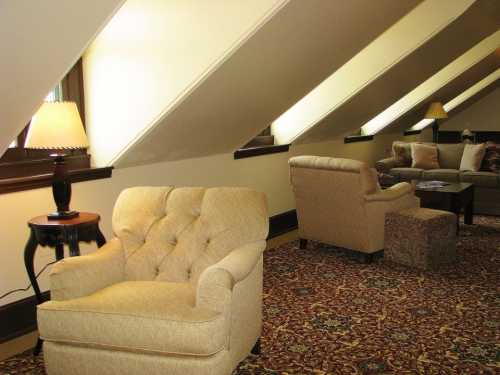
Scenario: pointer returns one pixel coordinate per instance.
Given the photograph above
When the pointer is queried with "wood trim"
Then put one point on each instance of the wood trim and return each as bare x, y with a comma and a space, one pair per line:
73, 88
358, 138
455, 136
10, 185
19, 318
20, 155
411, 132
282, 223
36, 164
257, 151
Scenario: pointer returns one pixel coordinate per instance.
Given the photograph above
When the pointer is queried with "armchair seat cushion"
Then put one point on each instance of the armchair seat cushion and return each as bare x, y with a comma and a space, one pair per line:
406, 174
141, 316
449, 175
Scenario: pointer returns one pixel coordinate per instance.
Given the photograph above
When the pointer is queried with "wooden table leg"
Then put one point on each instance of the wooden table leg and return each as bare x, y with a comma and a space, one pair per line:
29, 255
469, 213
74, 247
59, 251
100, 239
456, 207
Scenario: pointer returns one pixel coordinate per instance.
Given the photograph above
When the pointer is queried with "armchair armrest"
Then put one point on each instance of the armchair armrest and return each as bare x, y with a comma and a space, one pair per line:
80, 276
216, 283
385, 165
390, 194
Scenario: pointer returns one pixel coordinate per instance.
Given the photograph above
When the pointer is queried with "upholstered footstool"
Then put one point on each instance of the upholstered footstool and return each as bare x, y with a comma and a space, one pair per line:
420, 237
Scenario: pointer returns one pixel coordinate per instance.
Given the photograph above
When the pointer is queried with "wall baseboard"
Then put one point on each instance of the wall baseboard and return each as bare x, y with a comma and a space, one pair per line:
282, 223
19, 318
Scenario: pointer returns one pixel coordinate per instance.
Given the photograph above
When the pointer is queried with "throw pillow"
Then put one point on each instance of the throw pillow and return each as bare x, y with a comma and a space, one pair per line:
401, 152
424, 156
491, 160
472, 157
450, 155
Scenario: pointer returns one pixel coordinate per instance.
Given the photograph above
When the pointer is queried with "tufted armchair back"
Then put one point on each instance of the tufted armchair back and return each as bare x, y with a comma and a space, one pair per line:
173, 234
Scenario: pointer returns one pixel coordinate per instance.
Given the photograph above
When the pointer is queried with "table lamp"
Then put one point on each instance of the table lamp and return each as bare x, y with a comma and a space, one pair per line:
435, 112
57, 125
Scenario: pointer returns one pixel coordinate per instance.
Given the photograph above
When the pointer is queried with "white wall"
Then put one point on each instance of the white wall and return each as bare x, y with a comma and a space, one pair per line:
153, 95
268, 173
150, 55
40, 41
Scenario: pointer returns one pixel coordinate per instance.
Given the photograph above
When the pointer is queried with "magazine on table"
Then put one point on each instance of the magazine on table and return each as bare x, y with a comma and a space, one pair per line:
431, 184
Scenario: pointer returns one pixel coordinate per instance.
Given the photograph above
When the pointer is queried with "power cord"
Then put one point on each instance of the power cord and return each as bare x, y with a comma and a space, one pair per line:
29, 286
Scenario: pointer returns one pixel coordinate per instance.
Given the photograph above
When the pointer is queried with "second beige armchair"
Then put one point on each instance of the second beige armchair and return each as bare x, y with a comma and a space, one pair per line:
339, 202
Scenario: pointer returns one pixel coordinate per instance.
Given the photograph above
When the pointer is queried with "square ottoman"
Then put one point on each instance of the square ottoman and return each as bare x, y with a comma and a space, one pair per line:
420, 237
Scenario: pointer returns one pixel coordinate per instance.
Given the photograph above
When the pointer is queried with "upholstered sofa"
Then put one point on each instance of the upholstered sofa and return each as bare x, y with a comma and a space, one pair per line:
340, 203
177, 291
487, 183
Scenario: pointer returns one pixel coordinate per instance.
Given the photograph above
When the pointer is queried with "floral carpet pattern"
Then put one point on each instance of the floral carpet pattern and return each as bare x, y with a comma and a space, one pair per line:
327, 313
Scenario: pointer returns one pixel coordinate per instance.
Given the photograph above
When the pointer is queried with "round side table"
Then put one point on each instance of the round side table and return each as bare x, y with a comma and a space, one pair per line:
55, 234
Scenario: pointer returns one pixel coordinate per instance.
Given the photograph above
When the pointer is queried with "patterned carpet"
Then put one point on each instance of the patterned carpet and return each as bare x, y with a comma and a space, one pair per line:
326, 313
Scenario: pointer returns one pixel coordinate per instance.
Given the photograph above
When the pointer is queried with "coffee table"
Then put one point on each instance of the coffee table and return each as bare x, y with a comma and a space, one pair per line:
453, 198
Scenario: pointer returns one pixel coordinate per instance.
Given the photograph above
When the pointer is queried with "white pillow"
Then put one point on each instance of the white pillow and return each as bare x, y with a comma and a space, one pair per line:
472, 157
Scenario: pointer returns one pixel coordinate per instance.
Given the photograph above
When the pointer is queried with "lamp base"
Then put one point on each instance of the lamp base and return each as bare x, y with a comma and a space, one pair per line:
63, 215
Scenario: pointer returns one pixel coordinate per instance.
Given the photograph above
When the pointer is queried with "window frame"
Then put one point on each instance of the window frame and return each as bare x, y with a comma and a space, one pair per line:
23, 169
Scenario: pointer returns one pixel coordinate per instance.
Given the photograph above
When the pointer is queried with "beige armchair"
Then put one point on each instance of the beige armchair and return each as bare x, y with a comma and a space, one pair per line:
177, 291
339, 202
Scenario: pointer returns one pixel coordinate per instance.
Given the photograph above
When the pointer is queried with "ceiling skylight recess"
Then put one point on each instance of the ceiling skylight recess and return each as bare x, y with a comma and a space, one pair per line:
431, 85
409, 33
455, 102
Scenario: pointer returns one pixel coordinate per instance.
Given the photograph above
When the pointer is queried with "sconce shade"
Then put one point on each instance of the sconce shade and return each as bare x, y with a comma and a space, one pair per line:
57, 125
436, 111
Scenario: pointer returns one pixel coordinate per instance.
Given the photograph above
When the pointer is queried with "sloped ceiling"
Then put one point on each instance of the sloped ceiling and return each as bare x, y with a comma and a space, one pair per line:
286, 58
485, 99
458, 85
477, 22
41, 41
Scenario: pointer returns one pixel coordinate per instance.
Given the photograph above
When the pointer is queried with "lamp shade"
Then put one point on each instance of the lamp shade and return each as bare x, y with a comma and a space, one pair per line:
57, 125
436, 111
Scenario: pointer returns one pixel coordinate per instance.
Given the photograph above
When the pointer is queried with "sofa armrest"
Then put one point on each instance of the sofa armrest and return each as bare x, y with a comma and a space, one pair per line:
216, 283
390, 194
80, 276
385, 165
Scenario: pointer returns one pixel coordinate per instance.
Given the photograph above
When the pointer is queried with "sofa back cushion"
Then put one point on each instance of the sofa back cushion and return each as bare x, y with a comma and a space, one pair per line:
450, 155
173, 234
472, 157
424, 156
